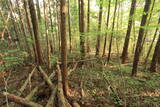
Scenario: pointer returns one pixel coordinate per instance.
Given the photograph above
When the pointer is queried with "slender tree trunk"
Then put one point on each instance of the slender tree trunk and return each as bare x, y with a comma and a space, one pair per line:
126, 43
23, 28
52, 41
35, 30
140, 37
47, 35
38, 10
150, 48
30, 28
64, 47
110, 44
88, 27
107, 25
155, 56
149, 19
159, 57
99, 28
69, 28
81, 28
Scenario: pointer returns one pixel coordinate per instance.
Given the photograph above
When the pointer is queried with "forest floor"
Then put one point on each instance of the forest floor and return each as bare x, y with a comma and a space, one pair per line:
95, 85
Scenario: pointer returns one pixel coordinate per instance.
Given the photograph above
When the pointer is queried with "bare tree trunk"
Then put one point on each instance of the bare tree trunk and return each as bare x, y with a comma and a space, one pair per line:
99, 28
35, 30
155, 56
69, 28
23, 28
30, 29
150, 48
64, 47
127, 39
38, 10
110, 44
107, 25
140, 37
47, 35
88, 27
81, 28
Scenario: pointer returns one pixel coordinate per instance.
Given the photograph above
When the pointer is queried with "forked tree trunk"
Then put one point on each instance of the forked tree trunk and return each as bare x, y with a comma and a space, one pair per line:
126, 43
64, 47
140, 37
99, 28
35, 30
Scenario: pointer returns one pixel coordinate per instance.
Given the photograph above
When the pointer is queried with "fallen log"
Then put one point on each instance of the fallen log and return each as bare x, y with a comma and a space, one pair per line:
46, 78
60, 94
21, 100
50, 102
26, 82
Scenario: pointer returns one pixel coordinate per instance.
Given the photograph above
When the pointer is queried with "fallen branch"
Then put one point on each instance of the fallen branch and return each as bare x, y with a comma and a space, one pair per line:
21, 100
26, 82
46, 78
32, 93
50, 102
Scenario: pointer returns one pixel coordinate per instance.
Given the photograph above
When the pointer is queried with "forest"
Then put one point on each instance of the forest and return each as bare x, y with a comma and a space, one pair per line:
79, 53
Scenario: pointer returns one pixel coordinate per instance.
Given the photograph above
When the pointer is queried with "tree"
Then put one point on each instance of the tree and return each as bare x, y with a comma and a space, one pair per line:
35, 30
64, 47
155, 56
88, 26
126, 43
107, 25
140, 37
81, 28
69, 28
113, 23
99, 27
47, 35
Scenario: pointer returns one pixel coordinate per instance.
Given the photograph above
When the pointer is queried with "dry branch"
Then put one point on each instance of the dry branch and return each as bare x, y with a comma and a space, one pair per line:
46, 78
21, 100
26, 82
50, 102
32, 93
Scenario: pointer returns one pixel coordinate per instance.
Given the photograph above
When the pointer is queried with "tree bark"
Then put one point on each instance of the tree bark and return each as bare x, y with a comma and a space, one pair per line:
140, 37
99, 28
107, 24
64, 47
155, 56
110, 44
69, 28
127, 39
35, 30
81, 28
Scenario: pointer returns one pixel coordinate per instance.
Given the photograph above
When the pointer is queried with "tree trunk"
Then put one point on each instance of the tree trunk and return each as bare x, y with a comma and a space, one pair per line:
38, 10
30, 28
150, 48
107, 24
69, 28
88, 27
35, 30
110, 44
140, 37
155, 56
99, 28
126, 43
47, 35
64, 47
81, 28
